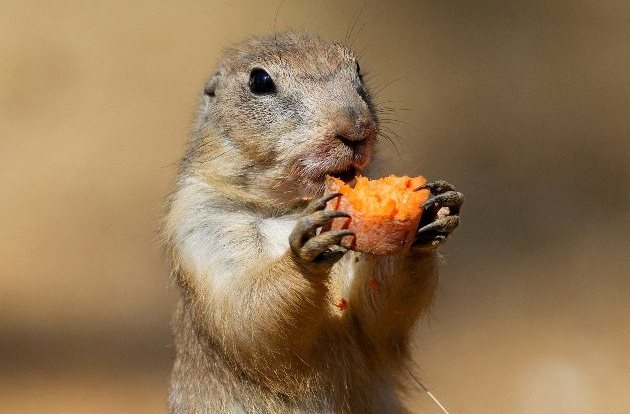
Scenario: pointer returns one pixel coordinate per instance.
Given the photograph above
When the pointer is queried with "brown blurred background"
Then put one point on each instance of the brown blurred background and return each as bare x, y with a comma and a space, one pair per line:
525, 106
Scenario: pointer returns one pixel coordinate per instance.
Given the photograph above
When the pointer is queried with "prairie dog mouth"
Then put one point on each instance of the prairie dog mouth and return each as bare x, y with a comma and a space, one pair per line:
347, 176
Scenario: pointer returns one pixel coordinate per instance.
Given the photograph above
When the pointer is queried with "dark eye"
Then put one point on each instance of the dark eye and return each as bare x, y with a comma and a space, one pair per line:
260, 83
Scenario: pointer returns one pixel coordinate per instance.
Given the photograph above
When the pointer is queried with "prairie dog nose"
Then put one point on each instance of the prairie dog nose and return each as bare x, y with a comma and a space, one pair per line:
353, 134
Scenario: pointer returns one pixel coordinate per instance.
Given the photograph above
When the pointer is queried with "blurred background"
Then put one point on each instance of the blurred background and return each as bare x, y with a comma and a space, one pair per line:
524, 105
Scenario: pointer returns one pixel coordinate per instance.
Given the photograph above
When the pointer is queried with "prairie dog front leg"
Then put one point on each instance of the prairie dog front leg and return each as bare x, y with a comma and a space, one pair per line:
389, 293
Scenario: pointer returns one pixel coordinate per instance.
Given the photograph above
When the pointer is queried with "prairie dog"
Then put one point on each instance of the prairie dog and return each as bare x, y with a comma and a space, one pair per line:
273, 317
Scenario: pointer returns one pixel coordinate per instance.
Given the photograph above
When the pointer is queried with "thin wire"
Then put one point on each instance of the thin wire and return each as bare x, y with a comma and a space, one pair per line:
426, 390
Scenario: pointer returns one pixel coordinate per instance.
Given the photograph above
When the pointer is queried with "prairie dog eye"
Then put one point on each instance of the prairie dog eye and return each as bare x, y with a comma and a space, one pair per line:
260, 83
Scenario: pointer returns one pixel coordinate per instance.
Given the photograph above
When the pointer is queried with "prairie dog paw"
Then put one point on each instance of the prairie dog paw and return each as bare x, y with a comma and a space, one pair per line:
318, 249
441, 214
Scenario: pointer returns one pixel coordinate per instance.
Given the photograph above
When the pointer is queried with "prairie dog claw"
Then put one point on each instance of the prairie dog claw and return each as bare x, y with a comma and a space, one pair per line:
311, 247
441, 215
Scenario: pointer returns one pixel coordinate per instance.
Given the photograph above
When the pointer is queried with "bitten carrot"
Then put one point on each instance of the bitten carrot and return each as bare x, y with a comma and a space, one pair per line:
384, 212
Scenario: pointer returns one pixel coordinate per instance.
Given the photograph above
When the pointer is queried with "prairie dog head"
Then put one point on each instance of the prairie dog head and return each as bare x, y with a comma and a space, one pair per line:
280, 114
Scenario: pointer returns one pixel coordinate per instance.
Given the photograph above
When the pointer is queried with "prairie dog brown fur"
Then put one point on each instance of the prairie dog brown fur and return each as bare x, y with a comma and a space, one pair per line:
273, 318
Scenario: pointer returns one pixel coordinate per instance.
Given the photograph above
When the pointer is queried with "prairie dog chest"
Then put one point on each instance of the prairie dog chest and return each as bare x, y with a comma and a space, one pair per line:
275, 232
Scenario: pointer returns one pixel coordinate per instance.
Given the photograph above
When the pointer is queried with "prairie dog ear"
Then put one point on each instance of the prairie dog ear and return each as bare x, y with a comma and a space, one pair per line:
210, 88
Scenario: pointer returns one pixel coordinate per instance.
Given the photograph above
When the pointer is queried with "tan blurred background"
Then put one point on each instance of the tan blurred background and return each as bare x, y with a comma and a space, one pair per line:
525, 106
